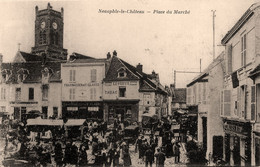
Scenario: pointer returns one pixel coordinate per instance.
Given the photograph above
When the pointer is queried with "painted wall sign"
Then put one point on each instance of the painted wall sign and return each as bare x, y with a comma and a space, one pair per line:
111, 92
82, 84
121, 83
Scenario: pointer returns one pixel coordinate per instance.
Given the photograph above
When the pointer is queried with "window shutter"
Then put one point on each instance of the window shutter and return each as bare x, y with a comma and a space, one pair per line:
238, 101
227, 100
253, 101
229, 58
221, 103
245, 102
70, 75
74, 75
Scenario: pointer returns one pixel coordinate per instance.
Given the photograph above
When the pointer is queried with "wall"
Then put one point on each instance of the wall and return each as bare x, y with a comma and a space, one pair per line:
111, 90
82, 84
214, 123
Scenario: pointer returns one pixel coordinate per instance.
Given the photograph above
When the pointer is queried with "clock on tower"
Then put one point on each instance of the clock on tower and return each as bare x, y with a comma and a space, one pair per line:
49, 33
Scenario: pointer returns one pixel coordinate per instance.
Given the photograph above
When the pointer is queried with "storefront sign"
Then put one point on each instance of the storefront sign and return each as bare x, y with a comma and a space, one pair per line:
81, 84
233, 128
257, 127
121, 83
23, 102
111, 92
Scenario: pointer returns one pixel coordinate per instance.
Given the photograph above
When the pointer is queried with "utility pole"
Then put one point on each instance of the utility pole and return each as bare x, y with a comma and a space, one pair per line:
213, 12
19, 44
200, 65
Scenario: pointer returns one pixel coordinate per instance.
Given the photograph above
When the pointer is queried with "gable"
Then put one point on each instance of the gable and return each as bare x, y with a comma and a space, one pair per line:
19, 58
117, 66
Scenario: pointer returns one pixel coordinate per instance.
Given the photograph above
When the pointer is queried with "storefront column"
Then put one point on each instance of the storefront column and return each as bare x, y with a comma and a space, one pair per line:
242, 151
200, 129
232, 149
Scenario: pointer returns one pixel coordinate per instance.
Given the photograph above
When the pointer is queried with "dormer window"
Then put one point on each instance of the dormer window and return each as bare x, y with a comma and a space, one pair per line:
6, 75
46, 75
121, 73
22, 74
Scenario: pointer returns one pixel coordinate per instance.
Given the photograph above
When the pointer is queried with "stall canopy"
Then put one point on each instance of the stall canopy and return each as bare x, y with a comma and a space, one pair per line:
47, 122
75, 122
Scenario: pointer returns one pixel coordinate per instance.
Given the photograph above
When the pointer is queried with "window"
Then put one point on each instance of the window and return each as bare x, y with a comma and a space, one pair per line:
121, 73
31, 93
243, 50
225, 99
122, 91
3, 91
18, 94
55, 112
45, 89
45, 112
72, 75
2, 109
72, 94
92, 93
147, 98
93, 75
42, 39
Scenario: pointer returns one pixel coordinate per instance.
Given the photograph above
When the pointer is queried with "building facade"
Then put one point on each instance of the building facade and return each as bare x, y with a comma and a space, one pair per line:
128, 92
82, 87
32, 80
239, 107
202, 94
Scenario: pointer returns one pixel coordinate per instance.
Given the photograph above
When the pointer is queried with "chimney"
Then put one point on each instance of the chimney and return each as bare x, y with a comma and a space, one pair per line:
139, 67
114, 53
172, 85
62, 12
36, 10
108, 55
1, 59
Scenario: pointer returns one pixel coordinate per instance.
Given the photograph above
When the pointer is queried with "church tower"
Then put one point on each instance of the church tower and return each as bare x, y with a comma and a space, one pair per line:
49, 33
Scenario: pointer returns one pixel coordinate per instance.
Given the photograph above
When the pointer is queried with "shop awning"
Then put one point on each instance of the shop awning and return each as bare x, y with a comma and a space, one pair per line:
75, 122
47, 122
181, 111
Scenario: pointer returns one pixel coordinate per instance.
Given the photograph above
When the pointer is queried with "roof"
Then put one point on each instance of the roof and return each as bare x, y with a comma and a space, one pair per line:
22, 57
146, 84
245, 17
75, 122
202, 76
180, 95
255, 71
34, 71
81, 56
48, 122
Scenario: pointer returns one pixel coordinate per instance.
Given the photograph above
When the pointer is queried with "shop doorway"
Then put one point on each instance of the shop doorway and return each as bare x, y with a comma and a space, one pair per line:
227, 148
120, 112
236, 151
257, 152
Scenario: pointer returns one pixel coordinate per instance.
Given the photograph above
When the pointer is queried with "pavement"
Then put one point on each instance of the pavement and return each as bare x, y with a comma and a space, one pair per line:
136, 162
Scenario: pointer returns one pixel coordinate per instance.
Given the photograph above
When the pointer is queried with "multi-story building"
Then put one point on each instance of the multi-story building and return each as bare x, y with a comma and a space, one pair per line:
202, 94
82, 87
32, 80
128, 92
239, 107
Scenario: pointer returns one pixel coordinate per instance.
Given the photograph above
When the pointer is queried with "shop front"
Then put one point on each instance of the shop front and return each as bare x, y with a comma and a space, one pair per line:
123, 110
82, 110
237, 143
257, 143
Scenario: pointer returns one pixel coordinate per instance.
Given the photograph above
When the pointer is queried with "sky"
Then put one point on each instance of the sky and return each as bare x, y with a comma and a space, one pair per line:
161, 42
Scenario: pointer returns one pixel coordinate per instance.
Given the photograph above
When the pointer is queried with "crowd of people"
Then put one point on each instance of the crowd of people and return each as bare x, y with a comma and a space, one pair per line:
98, 145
